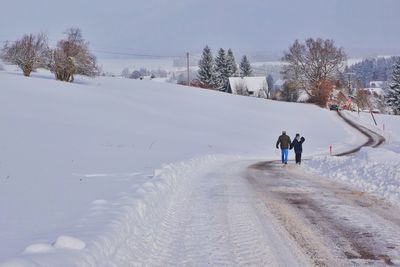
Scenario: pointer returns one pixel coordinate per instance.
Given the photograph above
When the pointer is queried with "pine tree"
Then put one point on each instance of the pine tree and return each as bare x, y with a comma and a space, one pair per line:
245, 67
230, 60
221, 69
206, 73
393, 94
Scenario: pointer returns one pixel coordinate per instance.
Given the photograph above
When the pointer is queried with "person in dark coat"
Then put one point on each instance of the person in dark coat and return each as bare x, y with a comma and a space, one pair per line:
297, 144
285, 142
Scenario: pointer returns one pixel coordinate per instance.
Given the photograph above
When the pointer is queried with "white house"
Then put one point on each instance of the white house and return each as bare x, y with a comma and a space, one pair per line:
376, 84
254, 86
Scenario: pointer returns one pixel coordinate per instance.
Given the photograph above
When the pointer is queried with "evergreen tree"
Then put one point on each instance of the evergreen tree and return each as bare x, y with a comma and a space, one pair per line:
206, 73
393, 94
230, 60
245, 67
221, 69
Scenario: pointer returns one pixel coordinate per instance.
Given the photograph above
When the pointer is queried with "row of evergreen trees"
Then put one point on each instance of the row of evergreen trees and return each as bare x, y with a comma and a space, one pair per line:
214, 73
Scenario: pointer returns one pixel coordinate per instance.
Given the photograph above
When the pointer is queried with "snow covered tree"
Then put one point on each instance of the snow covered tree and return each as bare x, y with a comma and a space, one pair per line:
29, 53
245, 67
231, 64
393, 93
72, 56
313, 67
206, 73
135, 74
270, 82
125, 73
221, 69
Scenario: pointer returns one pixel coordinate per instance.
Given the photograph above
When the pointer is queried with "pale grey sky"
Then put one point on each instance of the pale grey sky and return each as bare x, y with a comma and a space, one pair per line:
176, 26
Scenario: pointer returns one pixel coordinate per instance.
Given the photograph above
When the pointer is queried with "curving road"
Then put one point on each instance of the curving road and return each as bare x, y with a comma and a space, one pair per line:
332, 224
373, 139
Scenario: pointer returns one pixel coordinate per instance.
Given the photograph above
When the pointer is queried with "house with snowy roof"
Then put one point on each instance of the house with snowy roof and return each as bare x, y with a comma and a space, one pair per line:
252, 86
376, 84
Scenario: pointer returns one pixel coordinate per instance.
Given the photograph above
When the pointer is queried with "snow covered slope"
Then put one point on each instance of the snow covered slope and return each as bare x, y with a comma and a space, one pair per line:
85, 160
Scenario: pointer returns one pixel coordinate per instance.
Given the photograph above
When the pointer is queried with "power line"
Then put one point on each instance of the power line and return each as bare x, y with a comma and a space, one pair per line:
134, 54
110, 52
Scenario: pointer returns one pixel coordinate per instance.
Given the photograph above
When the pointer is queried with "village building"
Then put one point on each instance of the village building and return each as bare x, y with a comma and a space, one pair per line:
252, 86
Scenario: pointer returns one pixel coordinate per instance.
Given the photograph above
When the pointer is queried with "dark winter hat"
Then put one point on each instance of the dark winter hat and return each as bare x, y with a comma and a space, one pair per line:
297, 134
283, 132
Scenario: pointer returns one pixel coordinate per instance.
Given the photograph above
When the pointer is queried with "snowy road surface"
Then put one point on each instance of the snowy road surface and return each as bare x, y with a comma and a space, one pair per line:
244, 213
332, 224
218, 220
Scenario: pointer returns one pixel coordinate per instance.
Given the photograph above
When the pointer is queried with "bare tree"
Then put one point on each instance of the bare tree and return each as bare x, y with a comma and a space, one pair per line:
313, 66
125, 73
363, 99
72, 56
241, 89
29, 53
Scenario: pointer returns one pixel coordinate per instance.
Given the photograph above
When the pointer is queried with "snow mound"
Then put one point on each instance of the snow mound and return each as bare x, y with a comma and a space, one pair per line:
69, 242
38, 248
375, 170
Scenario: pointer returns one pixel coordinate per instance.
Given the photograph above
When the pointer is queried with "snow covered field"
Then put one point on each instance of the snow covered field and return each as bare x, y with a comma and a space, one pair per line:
85, 166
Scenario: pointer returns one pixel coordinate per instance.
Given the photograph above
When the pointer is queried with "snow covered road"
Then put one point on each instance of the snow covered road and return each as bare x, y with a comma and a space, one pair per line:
215, 219
248, 213
334, 225
373, 139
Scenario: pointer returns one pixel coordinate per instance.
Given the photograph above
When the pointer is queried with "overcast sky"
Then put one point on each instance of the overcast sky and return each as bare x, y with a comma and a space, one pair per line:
166, 27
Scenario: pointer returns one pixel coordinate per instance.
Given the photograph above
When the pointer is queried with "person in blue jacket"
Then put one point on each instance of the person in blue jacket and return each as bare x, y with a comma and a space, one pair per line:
297, 144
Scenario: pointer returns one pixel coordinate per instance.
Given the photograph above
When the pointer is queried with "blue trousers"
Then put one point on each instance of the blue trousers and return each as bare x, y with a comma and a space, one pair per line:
285, 153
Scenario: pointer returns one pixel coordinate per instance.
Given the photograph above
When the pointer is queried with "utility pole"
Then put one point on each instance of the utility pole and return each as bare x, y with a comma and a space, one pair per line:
187, 62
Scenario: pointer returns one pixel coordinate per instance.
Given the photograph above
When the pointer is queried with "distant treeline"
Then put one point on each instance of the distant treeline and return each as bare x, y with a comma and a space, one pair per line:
372, 69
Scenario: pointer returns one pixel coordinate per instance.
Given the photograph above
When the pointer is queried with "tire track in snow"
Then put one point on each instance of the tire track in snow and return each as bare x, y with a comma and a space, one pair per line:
214, 219
334, 225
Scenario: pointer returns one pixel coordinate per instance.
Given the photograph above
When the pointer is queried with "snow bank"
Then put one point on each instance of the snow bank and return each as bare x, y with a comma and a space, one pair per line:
375, 170
134, 212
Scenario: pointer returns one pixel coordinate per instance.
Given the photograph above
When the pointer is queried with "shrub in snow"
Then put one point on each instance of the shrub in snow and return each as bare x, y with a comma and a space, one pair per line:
72, 57
28, 53
135, 74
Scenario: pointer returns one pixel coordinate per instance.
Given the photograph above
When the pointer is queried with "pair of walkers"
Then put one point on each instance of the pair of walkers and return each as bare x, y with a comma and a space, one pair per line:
285, 144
